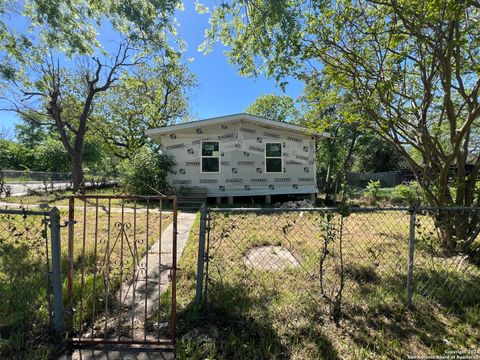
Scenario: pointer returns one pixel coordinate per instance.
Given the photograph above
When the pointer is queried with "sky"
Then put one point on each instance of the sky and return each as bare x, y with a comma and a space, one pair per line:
220, 90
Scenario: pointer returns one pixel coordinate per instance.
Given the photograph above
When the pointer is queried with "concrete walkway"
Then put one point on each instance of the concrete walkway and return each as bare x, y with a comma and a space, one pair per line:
144, 292
159, 262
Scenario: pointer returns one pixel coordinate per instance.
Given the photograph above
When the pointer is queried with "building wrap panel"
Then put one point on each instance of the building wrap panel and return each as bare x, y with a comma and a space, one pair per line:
242, 160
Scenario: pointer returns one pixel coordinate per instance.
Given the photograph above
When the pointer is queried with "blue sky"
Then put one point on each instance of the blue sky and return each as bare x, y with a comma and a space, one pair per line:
220, 91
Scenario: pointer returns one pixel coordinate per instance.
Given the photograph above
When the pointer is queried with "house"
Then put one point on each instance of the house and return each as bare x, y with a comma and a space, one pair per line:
241, 155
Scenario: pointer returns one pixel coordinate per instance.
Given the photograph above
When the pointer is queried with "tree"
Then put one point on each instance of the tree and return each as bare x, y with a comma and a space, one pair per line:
15, 156
374, 154
412, 69
275, 107
326, 111
50, 155
151, 96
58, 70
30, 133
146, 173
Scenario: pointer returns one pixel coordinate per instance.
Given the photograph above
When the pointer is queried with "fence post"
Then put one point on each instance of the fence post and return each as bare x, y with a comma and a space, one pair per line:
201, 253
411, 248
56, 271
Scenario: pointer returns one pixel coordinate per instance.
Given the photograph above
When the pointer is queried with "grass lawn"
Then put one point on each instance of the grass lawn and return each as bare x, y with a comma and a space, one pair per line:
274, 314
258, 313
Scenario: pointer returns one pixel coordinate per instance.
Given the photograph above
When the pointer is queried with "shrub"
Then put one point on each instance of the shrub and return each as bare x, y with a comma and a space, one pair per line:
146, 173
372, 189
410, 193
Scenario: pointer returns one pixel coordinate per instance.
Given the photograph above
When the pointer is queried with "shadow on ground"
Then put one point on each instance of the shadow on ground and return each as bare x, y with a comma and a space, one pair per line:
239, 326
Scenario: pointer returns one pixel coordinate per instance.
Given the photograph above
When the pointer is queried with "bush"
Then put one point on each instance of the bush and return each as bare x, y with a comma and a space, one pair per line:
372, 189
410, 193
146, 173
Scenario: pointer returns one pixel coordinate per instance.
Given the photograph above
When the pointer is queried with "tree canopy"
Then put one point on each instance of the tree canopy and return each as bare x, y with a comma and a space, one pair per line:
152, 95
412, 69
276, 107
55, 71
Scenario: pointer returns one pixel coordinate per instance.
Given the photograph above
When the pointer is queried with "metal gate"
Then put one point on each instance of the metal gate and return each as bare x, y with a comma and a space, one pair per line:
121, 274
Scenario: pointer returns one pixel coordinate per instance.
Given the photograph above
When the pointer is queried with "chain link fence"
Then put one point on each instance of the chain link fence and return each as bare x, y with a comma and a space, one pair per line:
334, 261
26, 278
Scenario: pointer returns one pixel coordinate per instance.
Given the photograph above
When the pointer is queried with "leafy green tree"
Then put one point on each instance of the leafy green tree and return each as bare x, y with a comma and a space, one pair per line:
54, 73
153, 95
325, 110
411, 68
374, 154
50, 155
275, 107
30, 133
146, 173
335, 158
15, 156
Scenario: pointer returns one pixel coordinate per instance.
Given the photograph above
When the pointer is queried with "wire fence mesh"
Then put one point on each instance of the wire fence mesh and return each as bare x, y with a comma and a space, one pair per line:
334, 261
447, 257
25, 285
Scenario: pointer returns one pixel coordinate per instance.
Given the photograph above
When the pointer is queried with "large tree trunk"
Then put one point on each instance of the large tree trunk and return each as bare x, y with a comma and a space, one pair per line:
328, 186
78, 182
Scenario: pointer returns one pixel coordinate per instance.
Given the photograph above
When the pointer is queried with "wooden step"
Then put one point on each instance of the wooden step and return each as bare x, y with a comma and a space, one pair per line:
192, 197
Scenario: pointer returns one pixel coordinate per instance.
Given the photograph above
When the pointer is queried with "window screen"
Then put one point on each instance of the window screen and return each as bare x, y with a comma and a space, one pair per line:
210, 156
273, 157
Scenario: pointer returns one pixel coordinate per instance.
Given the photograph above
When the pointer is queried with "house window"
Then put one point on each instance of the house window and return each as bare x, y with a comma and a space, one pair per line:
210, 157
273, 157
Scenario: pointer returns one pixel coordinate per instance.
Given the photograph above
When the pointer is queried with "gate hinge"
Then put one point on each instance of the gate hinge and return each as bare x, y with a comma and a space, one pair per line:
68, 223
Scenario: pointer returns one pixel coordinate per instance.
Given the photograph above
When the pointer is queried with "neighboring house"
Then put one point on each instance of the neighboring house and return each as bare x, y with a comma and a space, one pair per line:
241, 155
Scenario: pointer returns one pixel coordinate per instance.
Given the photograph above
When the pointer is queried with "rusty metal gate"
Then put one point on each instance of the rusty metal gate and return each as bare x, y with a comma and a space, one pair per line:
121, 273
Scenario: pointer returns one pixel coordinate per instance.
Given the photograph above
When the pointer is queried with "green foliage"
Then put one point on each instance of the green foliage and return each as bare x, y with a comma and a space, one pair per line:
50, 155
38, 150
410, 68
72, 26
152, 96
410, 193
374, 154
15, 156
55, 70
384, 56
372, 189
30, 133
275, 107
325, 111
146, 173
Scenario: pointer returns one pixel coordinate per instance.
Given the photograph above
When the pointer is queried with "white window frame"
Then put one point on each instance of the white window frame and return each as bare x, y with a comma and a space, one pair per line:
274, 157
210, 157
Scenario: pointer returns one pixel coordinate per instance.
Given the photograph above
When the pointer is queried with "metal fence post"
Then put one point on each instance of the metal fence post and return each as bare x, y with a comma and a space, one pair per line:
56, 271
411, 248
201, 253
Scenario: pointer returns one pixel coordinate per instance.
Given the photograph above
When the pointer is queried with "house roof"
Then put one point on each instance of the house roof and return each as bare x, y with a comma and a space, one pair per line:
238, 118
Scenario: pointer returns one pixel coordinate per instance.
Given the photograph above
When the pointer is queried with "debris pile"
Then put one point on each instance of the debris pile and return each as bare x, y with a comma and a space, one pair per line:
300, 204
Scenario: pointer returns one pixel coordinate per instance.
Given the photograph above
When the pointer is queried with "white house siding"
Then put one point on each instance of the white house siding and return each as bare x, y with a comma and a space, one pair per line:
242, 161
